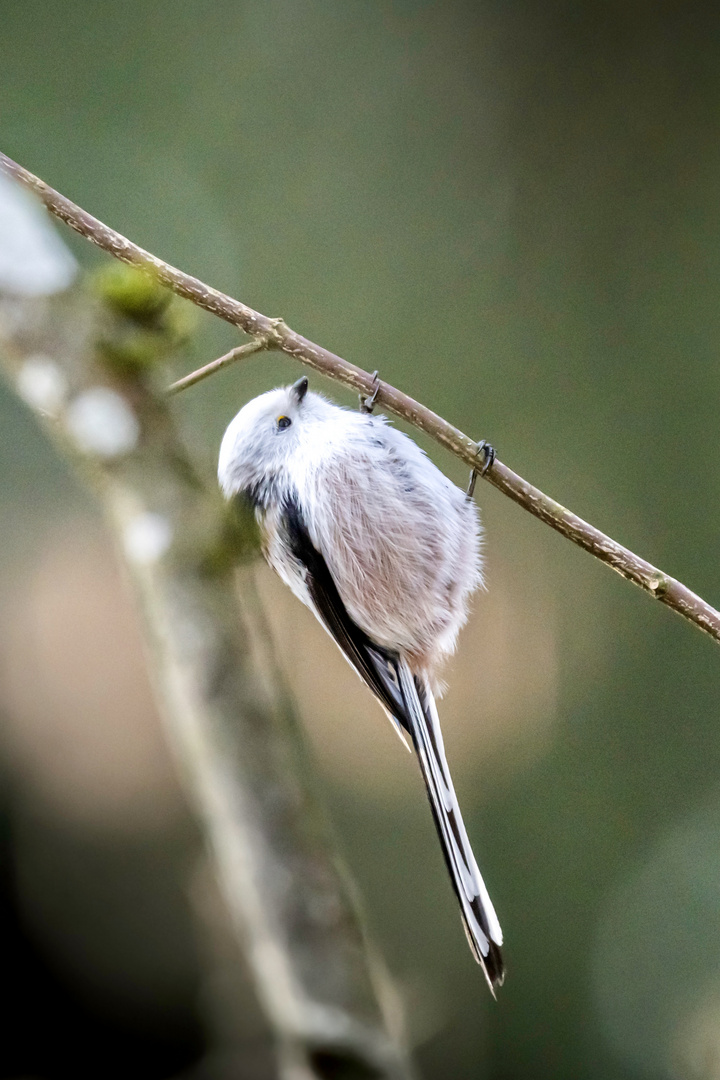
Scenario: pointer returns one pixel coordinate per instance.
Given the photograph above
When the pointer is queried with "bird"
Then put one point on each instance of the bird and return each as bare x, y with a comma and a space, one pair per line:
385, 551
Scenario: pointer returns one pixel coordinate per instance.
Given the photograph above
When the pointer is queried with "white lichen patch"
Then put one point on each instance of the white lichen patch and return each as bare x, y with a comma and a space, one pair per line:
42, 385
33, 259
147, 537
101, 422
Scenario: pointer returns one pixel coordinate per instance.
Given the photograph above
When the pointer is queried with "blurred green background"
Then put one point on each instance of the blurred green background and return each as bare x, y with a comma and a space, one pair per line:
512, 210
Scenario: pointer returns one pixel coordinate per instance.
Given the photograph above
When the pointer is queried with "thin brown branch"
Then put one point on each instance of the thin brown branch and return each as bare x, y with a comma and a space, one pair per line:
257, 345
664, 588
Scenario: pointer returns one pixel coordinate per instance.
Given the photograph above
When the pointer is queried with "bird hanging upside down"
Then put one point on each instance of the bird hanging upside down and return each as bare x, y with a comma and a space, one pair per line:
385, 552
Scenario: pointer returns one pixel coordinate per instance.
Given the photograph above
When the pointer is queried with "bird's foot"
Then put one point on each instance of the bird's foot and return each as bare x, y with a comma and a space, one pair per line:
488, 453
367, 404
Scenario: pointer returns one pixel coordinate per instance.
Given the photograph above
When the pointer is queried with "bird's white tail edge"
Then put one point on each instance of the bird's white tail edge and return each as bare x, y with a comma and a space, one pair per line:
478, 914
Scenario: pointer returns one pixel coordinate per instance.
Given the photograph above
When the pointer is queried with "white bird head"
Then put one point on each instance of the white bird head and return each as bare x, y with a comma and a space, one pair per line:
263, 435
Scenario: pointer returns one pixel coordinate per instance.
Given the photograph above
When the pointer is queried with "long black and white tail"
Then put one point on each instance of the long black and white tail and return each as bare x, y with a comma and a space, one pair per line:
478, 914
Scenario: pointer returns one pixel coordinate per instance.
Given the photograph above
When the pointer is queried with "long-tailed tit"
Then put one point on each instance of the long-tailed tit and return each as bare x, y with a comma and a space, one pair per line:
384, 550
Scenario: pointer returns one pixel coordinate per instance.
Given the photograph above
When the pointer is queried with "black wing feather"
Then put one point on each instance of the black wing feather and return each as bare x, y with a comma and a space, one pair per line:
376, 665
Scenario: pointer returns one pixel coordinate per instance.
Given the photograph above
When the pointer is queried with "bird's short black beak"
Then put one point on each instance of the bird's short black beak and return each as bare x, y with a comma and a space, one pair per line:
299, 389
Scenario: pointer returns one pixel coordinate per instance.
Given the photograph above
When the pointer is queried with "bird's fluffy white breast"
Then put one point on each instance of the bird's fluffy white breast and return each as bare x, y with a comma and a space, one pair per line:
401, 541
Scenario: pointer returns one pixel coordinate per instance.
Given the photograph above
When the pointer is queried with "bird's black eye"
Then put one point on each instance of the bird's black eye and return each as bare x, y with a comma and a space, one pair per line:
283, 422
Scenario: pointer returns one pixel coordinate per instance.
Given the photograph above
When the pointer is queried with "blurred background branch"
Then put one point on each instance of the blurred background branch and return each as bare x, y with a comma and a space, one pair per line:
88, 362
273, 333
